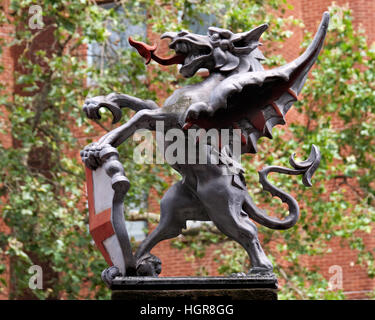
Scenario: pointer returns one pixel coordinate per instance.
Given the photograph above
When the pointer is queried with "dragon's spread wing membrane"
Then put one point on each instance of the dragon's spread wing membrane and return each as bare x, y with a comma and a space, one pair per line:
256, 101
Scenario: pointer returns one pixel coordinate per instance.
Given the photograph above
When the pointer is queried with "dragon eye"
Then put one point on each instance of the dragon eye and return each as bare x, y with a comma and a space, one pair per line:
182, 33
241, 43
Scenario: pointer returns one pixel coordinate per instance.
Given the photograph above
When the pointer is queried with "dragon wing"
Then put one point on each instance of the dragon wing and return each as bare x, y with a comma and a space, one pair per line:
256, 101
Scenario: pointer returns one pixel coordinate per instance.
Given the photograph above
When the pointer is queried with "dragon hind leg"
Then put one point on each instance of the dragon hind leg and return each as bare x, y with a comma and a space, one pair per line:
244, 231
176, 206
259, 261
224, 208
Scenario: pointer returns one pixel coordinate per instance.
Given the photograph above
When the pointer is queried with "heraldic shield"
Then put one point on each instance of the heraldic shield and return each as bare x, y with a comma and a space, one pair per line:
106, 190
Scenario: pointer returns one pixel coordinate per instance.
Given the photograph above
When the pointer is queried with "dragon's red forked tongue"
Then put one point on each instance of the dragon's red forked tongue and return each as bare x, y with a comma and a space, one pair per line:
147, 52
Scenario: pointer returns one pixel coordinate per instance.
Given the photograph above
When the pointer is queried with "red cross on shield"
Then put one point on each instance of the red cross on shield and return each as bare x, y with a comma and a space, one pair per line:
100, 195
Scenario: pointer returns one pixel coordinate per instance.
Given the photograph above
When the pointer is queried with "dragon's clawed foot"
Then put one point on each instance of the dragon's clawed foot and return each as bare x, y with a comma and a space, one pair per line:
92, 105
148, 265
109, 274
95, 153
90, 156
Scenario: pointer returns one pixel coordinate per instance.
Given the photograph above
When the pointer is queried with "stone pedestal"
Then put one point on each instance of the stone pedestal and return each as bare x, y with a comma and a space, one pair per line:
144, 289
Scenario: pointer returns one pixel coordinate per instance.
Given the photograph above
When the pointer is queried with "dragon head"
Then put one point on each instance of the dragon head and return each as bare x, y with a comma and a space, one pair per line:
196, 49
219, 51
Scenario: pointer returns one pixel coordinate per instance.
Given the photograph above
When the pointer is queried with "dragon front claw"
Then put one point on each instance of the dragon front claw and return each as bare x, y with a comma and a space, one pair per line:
91, 155
148, 265
92, 105
109, 274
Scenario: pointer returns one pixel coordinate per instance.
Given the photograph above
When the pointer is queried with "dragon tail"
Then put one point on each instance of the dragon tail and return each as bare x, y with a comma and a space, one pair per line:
305, 168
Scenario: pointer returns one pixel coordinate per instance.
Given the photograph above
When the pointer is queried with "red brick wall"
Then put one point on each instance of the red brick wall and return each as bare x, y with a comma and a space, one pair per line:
363, 13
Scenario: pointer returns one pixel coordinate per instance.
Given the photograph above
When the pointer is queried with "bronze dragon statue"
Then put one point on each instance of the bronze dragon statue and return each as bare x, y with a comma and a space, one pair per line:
237, 94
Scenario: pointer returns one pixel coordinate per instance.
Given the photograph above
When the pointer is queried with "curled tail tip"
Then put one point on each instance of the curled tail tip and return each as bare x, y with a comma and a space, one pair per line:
305, 168
309, 166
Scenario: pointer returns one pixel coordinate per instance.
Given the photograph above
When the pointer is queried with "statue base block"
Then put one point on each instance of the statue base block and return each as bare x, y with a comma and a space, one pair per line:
143, 289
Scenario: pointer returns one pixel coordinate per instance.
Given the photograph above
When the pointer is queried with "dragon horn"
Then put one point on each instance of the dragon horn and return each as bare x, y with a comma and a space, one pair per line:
252, 35
168, 35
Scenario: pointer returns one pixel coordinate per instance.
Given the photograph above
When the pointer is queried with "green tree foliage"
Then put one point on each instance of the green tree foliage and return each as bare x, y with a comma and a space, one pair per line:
42, 177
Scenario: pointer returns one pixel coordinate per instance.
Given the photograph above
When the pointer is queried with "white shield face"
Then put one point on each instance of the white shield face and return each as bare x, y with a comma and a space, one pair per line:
100, 195
103, 192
